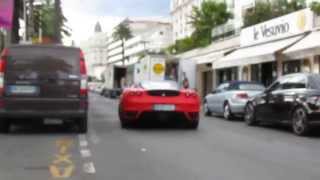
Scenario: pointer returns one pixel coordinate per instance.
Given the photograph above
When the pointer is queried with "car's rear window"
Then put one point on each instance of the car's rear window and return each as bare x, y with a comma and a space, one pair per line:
251, 87
24, 63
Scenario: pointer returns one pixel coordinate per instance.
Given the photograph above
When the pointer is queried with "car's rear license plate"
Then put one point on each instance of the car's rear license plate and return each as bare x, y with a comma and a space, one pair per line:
29, 90
162, 107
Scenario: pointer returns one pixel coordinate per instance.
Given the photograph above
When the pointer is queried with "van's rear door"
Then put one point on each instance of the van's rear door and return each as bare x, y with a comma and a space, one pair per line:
45, 78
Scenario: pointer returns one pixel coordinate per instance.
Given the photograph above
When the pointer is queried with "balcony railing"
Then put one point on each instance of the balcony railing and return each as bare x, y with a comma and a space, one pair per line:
227, 30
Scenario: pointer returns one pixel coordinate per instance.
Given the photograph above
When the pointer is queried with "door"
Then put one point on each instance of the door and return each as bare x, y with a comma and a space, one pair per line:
216, 99
264, 103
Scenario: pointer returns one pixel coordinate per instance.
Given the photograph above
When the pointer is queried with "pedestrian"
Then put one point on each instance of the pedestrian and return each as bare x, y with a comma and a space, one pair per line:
185, 82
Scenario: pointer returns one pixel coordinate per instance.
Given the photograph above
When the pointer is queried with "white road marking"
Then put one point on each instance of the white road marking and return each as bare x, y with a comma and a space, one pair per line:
85, 153
84, 143
143, 150
89, 168
94, 137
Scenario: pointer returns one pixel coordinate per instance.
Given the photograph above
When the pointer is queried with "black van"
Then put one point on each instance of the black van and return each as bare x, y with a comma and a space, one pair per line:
38, 81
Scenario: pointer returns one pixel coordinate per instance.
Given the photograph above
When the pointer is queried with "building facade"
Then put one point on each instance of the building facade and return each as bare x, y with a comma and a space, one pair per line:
96, 53
149, 36
181, 11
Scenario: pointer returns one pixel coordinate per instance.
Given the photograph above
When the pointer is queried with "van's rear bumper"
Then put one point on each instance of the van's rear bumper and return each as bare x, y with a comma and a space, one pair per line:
43, 114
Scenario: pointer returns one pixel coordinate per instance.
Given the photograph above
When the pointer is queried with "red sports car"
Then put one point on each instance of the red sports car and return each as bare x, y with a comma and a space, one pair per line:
162, 101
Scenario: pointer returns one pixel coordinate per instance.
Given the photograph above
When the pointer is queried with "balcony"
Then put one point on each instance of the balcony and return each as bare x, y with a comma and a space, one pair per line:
226, 31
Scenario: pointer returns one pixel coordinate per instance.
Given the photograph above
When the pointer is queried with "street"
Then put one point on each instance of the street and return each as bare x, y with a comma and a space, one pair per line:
218, 150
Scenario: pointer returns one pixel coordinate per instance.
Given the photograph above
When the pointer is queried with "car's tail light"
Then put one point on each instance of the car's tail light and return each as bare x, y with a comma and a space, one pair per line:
191, 94
3, 62
242, 96
84, 77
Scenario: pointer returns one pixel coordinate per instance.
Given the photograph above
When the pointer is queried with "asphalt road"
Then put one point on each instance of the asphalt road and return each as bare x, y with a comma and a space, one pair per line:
218, 150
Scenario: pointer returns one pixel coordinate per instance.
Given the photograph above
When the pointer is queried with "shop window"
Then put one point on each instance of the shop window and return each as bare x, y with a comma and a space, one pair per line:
291, 67
255, 73
245, 73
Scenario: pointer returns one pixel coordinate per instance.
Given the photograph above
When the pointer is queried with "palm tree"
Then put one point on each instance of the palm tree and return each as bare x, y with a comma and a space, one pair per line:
122, 32
210, 15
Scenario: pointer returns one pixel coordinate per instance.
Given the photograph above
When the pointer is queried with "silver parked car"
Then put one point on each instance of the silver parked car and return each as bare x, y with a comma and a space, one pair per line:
229, 99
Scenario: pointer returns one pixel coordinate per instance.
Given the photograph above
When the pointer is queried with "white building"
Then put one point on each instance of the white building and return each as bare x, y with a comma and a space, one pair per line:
96, 52
148, 36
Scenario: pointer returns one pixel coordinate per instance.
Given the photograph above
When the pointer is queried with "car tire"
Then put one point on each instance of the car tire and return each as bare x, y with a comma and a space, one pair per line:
206, 109
300, 123
227, 114
250, 115
83, 125
4, 126
193, 125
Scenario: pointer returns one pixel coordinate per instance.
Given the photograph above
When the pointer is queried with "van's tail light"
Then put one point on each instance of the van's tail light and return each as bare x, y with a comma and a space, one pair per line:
84, 77
3, 62
242, 96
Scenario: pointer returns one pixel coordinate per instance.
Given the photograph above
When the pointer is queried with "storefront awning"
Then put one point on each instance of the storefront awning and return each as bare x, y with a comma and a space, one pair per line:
309, 46
255, 54
209, 58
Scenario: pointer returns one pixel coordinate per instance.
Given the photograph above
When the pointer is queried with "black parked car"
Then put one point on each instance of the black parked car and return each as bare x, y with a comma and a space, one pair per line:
293, 99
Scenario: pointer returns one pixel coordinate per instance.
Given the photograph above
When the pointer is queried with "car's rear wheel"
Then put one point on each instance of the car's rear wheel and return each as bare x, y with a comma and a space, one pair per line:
250, 115
227, 114
193, 124
83, 125
300, 123
206, 109
4, 125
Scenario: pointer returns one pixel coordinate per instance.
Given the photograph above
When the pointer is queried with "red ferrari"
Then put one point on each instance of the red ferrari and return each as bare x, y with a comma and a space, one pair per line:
161, 101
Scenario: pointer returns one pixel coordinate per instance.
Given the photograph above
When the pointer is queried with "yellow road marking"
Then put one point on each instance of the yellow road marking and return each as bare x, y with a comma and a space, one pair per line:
58, 172
60, 159
62, 166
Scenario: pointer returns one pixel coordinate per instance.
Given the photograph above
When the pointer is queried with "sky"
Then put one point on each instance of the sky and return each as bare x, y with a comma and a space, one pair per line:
82, 15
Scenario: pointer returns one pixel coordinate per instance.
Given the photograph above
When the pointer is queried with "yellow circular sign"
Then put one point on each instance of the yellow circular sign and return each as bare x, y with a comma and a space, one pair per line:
158, 69
302, 21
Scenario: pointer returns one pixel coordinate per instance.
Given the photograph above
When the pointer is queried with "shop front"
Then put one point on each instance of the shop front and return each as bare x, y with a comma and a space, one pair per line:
264, 56
305, 55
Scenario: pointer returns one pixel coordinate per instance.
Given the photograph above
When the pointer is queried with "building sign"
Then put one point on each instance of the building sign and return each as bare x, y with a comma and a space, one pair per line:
281, 27
6, 14
158, 68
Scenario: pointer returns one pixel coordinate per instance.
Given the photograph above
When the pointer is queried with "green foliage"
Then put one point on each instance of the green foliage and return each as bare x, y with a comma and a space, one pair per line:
261, 12
50, 19
315, 7
264, 11
210, 15
122, 32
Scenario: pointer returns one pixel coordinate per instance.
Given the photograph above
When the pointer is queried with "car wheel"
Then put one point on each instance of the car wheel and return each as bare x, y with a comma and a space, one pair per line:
300, 124
227, 114
250, 115
4, 126
193, 125
206, 109
83, 125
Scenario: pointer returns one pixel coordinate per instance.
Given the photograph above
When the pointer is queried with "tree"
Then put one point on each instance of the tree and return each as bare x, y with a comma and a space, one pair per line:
210, 15
264, 11
122, 32
315, 7
49, 18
